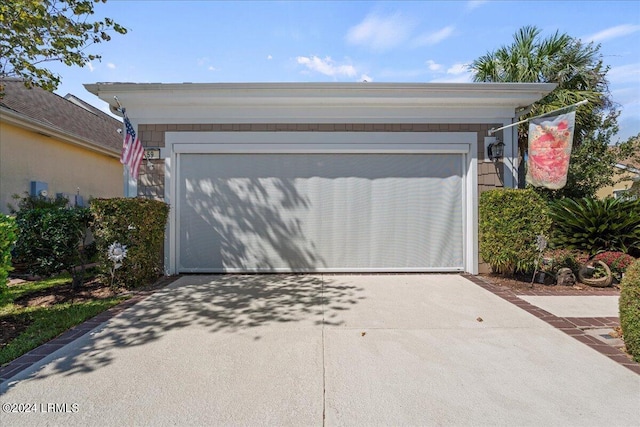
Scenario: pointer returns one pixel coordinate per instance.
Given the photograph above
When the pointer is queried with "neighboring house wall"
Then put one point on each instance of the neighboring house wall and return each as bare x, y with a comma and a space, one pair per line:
624, 182
27, 156
611, 191
151, 180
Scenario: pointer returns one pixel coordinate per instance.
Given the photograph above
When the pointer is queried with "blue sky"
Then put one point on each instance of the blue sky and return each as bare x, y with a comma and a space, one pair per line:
303, 41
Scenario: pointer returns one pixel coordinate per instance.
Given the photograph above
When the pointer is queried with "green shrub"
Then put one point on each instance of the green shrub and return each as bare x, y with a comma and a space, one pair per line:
618, 262
139, 225
8, 237
50, 240
594, 225
563, 258
630, 309
510, 221
28, 201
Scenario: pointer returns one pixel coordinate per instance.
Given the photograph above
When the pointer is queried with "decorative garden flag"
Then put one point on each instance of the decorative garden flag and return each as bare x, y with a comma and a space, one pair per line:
550, 143
132, 149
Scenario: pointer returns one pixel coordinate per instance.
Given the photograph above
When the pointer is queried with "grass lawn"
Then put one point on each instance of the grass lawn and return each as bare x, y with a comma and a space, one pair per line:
32, 313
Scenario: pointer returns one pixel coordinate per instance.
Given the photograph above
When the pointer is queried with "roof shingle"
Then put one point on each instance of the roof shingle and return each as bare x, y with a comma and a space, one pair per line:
75, 118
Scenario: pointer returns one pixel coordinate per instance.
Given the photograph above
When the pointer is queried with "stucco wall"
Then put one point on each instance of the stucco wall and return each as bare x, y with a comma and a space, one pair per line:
27, 156
624, 184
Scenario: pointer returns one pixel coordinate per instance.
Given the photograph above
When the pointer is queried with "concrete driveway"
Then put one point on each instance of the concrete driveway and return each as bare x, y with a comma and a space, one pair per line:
324, 349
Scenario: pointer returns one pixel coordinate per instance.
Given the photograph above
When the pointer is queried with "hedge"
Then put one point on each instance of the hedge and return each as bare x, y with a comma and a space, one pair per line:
8, 237
50, 240
629, 305
509, 224
138, 224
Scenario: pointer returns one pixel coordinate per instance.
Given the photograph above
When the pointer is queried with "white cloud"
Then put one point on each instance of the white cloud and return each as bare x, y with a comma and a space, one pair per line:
626, 95
457, 73
624, 74
111, 65
380, 33
205, 61
366, 78
457, 69
435, 37
613, 32
474, 4
326, 66
90, 65
433, 65
269, 57
629, 122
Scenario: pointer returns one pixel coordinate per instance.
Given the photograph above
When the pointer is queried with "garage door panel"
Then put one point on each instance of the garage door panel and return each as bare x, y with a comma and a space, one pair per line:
301, 212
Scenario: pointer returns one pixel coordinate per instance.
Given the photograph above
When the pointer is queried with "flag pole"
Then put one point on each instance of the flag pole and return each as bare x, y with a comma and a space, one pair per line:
126, 170
577, 104
120, 108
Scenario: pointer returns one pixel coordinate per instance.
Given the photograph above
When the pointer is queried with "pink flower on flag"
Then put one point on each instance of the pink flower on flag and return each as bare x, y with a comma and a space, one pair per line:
550, 143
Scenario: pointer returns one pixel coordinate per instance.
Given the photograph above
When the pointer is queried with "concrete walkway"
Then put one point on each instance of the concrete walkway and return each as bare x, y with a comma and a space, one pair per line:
576, 306
324, 349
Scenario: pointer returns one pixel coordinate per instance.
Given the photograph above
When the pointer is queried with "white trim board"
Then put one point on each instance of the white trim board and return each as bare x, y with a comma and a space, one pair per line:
324, 138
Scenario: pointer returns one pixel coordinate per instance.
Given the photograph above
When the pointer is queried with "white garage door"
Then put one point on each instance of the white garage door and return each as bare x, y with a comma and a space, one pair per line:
320, 212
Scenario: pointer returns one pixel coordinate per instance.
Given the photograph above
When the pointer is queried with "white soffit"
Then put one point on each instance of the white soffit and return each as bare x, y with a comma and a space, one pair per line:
318, 102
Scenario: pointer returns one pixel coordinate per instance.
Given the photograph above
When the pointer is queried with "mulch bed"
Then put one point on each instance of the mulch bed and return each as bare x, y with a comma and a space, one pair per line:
521, 285
92, 290
11, 327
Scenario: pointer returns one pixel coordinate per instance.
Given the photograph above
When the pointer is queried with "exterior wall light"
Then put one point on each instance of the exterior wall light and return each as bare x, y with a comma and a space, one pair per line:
495, 150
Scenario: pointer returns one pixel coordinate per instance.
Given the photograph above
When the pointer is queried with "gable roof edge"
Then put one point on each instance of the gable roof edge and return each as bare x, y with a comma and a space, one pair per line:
28, 123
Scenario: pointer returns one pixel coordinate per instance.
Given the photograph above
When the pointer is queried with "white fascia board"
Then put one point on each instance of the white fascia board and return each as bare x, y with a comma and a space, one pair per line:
32, 125
325, 90
276, 102
627, 168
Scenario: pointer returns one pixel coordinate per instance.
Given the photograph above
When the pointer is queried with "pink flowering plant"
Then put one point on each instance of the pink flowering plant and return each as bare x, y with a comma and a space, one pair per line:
617, 262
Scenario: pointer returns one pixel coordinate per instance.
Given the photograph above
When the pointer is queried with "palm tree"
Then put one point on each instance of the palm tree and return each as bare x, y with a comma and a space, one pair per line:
577, 68
526, 60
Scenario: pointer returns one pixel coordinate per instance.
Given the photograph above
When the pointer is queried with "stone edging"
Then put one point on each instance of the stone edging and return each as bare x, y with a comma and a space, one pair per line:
570, 326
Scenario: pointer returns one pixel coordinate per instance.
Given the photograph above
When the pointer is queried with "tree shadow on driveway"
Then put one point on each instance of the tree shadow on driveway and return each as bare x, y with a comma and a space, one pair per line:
216, 304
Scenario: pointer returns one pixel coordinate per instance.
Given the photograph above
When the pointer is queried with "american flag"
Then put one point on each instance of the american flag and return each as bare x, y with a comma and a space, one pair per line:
132, 149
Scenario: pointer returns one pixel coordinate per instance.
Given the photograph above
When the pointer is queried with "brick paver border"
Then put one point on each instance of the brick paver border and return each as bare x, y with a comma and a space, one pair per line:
39, 353
572, 293
570, 325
